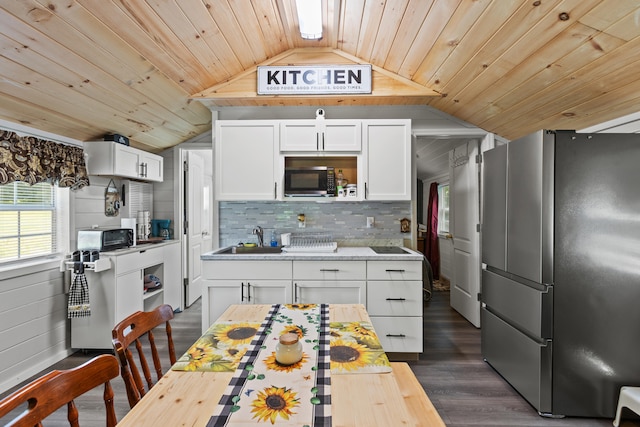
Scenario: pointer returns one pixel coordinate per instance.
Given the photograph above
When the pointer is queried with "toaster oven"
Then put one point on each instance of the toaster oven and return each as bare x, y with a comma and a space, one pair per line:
105, 239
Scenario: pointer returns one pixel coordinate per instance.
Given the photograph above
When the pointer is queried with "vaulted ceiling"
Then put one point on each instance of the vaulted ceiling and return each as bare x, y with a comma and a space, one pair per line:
84, 68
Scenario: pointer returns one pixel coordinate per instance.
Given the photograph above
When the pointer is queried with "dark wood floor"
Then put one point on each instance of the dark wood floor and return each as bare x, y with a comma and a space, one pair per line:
463, 388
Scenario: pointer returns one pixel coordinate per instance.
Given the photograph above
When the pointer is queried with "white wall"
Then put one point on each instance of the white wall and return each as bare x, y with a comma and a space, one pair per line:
34, 331
164, 199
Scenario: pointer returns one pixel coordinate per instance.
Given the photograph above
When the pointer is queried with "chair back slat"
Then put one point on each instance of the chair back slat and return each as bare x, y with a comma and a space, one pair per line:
56, 389
131, 332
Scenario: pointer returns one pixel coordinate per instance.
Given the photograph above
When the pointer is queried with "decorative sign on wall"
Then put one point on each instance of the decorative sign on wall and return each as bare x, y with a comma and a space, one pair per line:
314, 79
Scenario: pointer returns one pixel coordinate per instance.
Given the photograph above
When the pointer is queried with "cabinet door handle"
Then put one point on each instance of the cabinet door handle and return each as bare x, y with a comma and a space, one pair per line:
396, 299
394, 271
241, 291
317, 141
275, 191
396, 335
248, 291
295, 292
334, 270
366, 191
322, 141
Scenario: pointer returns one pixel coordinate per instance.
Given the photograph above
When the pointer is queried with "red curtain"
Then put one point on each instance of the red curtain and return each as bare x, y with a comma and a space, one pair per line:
431, 247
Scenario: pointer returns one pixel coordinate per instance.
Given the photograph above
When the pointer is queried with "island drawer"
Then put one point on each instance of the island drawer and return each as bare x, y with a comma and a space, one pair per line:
399, 334
394, 270
132, 261
394, 298
246, 270
330, 270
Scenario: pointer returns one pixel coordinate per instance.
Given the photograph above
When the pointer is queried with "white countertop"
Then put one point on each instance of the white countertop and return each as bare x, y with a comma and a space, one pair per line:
342, 253
138, 248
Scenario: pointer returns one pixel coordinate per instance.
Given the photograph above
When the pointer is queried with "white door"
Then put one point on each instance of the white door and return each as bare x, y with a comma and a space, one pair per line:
194, 203
465, 224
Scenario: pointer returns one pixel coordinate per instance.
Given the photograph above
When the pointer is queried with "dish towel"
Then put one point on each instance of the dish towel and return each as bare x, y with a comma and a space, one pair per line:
78, 304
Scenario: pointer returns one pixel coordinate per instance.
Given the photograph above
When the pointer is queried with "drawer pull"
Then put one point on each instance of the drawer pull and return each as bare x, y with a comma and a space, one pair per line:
396, 299
396, 335
333, 270
395, 271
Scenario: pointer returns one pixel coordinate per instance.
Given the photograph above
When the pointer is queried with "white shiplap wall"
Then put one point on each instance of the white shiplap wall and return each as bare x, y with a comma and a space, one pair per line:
34, 330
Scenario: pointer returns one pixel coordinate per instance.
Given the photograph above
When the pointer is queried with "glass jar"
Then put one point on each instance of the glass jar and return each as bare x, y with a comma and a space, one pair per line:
288, 349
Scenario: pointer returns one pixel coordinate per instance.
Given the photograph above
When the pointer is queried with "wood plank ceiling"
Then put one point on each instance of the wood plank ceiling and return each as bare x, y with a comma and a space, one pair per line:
84, 68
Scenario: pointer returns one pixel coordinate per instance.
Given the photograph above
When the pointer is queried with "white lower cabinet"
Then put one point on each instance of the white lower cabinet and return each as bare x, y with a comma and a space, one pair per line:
220, 294
243, 282
127, 299
390, 290
394, 303
118, 292
329, 292
330, 282
399, 334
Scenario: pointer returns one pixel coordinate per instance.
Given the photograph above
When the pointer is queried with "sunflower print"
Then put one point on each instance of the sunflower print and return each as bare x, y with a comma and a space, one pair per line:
199, 356
236, 333
301, 306
272, 364
299, 330
364, 334
273, 402
349, 356
235, 354
360, 331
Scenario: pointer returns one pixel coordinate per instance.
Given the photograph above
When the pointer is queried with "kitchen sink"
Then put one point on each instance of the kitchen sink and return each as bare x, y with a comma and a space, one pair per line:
251, 250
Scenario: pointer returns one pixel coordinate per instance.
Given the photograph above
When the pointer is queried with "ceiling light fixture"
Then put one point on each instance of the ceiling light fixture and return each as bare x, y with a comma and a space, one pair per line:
310, 18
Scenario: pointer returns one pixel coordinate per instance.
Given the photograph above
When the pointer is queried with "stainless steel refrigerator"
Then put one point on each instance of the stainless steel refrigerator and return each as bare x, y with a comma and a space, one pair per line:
561, 276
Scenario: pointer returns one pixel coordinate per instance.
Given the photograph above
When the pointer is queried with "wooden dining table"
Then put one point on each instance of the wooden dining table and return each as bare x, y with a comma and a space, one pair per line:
182, 398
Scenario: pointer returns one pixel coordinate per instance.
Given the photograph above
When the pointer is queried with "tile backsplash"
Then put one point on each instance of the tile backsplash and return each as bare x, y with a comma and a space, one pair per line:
346, 221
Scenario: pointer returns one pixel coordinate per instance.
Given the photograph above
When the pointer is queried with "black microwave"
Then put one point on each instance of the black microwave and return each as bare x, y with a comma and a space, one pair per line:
310, 181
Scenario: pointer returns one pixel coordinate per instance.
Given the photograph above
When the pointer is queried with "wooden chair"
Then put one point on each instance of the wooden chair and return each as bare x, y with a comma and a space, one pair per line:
129, 331
46, 394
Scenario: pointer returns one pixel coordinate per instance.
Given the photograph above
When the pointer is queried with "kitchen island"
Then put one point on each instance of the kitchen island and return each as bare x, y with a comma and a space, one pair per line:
390, 285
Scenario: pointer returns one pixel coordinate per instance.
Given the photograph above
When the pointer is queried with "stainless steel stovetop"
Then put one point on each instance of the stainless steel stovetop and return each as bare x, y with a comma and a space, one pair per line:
388, 250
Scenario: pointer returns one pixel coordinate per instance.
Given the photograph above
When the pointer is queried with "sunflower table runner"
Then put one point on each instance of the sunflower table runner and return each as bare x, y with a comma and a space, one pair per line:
355, 347
302, 396
264, 391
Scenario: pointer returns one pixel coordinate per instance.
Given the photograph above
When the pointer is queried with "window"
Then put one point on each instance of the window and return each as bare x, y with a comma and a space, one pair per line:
443, 208
29, 221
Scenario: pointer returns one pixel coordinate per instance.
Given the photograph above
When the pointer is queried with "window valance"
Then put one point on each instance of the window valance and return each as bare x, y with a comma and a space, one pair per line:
33, 160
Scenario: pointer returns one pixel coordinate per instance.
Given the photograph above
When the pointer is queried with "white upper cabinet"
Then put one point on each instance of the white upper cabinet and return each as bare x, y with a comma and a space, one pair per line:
113, 159
320, 136
387, 159
246, 156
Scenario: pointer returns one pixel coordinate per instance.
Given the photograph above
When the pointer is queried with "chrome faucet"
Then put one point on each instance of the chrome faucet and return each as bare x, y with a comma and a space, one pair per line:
260, 233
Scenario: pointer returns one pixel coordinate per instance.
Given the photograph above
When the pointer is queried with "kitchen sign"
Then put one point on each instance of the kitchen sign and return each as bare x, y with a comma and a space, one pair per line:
314, 79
